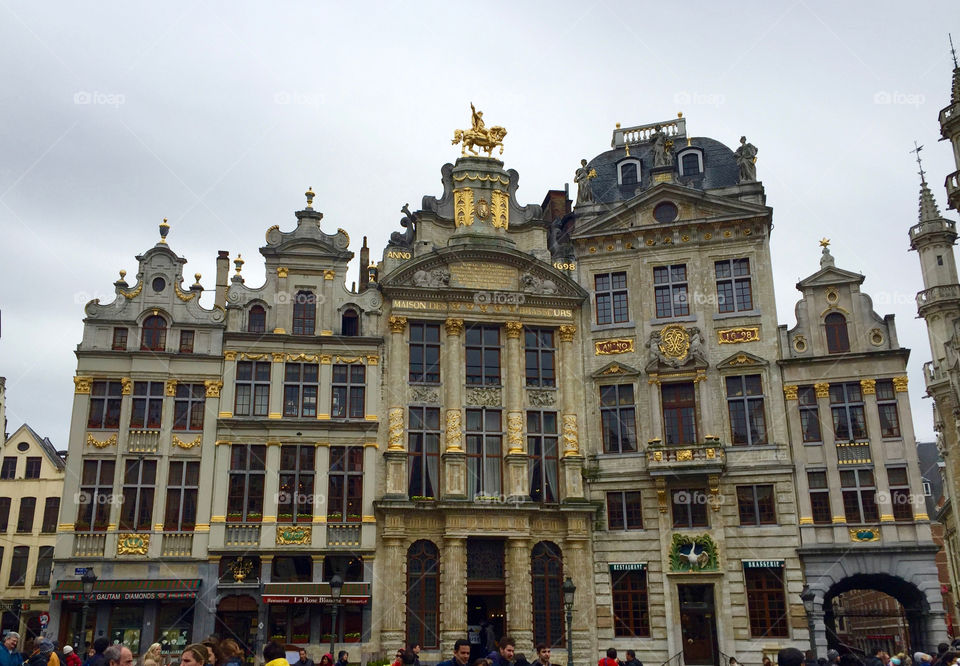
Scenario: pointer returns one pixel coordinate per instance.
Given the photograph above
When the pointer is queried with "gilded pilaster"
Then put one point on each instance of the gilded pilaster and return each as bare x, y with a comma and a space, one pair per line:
452, 376
514, 377
453, 581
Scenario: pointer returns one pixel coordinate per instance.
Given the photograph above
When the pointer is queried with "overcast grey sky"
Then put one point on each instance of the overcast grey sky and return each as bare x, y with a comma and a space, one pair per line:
219, 115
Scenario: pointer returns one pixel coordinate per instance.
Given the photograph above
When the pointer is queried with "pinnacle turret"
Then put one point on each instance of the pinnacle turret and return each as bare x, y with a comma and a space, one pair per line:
928, 205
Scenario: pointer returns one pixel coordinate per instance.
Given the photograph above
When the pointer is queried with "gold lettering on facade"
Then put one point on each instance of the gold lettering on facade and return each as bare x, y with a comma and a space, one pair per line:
617, 346
396, 254
731, 336
483, 275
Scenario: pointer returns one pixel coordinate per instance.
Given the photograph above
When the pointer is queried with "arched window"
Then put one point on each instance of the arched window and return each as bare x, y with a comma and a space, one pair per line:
257, 320
350, 322
304, 313
546, 570
423, 594
837, 339
154, 336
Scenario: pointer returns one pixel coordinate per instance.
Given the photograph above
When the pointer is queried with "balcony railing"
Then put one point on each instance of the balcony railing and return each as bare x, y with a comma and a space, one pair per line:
242, 534
343, 534
933, 226
177, 544
853, 453
675, 128
89, 544
932, 374
704, 458
143, 441
934, 294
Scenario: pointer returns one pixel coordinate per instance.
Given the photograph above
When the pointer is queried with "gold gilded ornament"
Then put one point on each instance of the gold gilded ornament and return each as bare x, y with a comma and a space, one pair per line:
478, 136
515, 432
483, 209
454, 430
463, 210
674, 342
133, 544
395, 429
501, 209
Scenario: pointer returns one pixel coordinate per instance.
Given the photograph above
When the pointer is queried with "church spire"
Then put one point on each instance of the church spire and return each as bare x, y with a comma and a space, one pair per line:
955, 93
928, 205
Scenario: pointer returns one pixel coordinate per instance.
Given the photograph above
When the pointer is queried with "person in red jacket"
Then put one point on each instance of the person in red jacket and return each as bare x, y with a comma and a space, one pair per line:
610, 659
71, 657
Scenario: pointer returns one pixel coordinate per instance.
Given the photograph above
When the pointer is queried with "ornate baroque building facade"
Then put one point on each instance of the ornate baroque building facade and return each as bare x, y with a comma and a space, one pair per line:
514, 395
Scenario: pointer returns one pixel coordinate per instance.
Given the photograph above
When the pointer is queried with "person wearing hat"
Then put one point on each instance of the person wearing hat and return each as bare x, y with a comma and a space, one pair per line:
70, 656
833, 657
43, 654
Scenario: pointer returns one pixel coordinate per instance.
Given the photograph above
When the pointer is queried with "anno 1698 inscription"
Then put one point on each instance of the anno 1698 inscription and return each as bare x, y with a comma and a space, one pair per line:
482, 275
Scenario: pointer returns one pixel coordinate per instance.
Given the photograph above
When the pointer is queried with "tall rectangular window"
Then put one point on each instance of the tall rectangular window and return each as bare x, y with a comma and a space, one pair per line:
51, 511
900, 493
28, 509
349, 392
689, 507
544, 467
484, 440
252, 388
618, 418
611, 297
887, 406
300, 389
139, 486
670, 291
8, 470
423, 446
345, 494
186, 342
539, 354
745, 406
624, 510
631, 612
119, 339
483, 355
766, 601
846, 403
188, 406
245, 492
679, 413
820, 498
734, 292
183, 484
96, 495
147, 405
809, 414
295, 501
304, 313
33, 468
859, 496
4, 514
105, 400
18, 566
424, 353
757, 505
44, 566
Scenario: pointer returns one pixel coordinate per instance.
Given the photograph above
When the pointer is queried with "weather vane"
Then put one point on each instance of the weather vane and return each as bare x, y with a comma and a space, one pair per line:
917, 149
953, 52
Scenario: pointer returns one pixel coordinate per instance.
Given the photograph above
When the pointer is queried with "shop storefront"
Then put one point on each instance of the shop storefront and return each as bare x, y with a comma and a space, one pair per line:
301, 613
134, 613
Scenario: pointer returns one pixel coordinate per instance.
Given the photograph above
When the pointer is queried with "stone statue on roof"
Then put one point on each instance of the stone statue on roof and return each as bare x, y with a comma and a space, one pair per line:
662, 155
582, 178
746, 156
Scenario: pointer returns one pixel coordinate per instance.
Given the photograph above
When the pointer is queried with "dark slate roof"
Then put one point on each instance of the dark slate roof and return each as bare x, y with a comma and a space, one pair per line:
928, 457
719, 169
48, 448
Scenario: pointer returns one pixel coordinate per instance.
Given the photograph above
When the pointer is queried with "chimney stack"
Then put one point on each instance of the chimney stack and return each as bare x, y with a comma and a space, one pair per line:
223, 272
364, 262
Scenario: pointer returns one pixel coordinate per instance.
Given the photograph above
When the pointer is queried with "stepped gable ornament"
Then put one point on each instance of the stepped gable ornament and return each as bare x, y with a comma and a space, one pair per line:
478, 136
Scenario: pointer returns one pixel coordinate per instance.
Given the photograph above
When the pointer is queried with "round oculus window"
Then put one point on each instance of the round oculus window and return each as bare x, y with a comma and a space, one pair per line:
158, 284
665, 212
23, 446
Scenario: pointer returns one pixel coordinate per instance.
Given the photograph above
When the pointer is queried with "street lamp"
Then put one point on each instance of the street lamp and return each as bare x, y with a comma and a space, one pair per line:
569, 589
88, 580
336, 587
807, 596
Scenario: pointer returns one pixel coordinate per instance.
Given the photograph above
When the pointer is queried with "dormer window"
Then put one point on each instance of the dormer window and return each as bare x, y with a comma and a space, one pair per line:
304, 313
154, 336
836, 329
690, 161
628, 172
350, 322
257, 320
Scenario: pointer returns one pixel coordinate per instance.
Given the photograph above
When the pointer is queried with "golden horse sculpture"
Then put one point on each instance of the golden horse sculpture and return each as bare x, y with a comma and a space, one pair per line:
484, 139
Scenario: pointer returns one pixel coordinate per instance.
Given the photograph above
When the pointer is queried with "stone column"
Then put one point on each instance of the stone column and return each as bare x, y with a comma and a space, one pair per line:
831, 460
325, 392
656, 412
572, 459
218, 499
228, 395
904, 413
453, 586
795, 432
275, 410
515, 457
393, 619
577, 565
284, 299
452, 375
271, 488
519, 591
327, 318
394, 397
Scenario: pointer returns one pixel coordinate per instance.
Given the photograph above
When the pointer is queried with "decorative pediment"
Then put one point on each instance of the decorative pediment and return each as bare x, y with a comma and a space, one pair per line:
742, 360
615, 369
710, 207
307, 240
831, 275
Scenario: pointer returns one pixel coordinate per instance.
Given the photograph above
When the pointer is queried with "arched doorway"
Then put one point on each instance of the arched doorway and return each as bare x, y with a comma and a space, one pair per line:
858, 606
237, 618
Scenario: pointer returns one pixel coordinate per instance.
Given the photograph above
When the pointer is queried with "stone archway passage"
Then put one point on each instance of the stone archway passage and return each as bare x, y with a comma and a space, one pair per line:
910, 598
